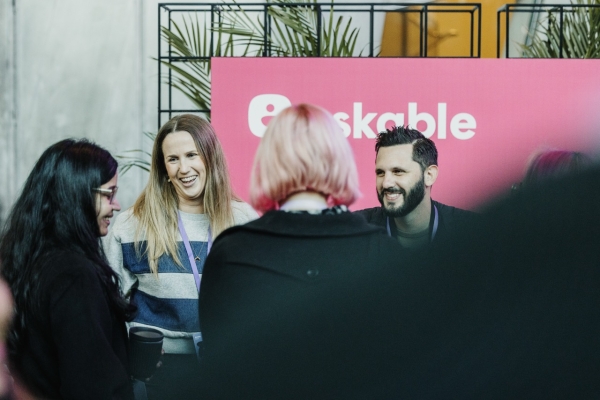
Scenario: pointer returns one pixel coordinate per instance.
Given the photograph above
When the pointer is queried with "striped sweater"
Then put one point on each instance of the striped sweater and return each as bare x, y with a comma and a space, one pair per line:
168, 302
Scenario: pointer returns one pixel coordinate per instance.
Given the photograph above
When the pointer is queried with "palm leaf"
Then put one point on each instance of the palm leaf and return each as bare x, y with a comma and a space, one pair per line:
136, 158
243, 30
192, 78
580, 29
294, 30
294, 34
341, 42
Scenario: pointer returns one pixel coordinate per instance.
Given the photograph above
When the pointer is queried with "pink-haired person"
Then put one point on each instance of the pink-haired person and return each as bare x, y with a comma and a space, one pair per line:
277, 319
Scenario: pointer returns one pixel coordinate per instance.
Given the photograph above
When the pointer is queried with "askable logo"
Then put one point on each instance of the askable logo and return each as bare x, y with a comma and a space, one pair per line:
358, 125
262, 108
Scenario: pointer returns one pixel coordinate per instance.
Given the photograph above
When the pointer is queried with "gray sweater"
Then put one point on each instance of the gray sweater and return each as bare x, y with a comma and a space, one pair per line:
168, 302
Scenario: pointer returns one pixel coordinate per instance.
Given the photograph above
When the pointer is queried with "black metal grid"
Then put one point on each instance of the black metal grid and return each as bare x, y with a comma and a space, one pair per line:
507, 9
167, 10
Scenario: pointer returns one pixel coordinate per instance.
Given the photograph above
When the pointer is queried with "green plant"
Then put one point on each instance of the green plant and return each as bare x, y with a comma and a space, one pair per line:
295, 33
298, 29
295, 30
136, 158
580, 31
191, 42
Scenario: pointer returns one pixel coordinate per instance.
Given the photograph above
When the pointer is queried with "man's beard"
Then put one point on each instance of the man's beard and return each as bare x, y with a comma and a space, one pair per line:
412, 199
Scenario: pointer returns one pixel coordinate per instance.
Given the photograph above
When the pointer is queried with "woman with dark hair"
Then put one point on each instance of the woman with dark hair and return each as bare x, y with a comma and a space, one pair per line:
68, 338
158, 247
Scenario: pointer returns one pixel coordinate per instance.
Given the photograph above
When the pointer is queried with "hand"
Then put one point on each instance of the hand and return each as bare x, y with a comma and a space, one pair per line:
158, 365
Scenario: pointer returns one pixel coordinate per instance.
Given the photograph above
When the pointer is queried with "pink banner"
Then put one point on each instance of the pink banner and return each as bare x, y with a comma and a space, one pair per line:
486, 116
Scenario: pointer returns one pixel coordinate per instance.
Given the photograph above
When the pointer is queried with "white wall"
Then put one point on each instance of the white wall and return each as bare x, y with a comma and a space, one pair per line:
72, 68
75, 68
7, 100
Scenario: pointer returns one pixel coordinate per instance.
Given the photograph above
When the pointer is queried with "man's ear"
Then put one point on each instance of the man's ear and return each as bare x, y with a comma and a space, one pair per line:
430, 175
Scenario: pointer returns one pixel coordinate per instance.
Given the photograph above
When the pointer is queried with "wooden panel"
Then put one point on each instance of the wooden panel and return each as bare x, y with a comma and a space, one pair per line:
448, 33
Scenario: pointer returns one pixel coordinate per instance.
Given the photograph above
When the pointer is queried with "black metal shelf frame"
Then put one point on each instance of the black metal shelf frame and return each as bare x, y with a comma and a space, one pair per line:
507, 9
166, 12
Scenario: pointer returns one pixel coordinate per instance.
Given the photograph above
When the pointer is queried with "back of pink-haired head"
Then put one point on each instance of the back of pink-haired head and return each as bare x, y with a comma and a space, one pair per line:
303, 149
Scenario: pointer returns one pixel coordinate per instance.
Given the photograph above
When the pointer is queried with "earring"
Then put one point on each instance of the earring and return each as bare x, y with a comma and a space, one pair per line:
168, 179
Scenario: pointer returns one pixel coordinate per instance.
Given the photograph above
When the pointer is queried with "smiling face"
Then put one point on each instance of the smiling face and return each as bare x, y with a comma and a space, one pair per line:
105, 207
185, 170
401, 183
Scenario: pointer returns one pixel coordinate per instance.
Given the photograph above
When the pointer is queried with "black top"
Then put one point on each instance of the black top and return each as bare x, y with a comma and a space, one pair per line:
507, 308
276, 319
450, 219
78, 348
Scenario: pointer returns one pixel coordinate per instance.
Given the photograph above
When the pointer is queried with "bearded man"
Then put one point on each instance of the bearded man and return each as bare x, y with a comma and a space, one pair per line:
406, 169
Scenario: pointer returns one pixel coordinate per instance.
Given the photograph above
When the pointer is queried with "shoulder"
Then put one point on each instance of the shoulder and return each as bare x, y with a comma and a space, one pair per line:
243, 212
304, 225
125, 219
68, 262
452, 215
277, 235
373, 215
454, 211
62, 270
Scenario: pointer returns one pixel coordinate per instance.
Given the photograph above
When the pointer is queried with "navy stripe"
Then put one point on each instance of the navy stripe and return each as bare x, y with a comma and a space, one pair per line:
179, 315
165, 263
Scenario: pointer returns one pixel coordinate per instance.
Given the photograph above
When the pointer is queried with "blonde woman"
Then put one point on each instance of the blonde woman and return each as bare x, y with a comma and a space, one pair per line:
159, 246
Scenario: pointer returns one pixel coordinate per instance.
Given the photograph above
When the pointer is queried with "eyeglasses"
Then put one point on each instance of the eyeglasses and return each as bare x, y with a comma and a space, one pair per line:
110, 193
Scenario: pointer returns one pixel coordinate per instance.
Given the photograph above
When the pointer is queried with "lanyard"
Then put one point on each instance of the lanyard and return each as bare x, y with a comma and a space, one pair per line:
188, 248
433, 231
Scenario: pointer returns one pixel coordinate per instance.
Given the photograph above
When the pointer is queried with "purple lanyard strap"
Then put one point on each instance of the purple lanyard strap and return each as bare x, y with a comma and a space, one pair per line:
188, 249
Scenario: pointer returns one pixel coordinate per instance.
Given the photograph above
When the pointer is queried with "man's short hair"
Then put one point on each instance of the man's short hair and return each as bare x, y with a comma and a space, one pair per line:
424, 150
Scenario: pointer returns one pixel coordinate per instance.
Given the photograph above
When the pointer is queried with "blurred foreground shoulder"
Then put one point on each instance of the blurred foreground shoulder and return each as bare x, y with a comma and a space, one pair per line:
374, 215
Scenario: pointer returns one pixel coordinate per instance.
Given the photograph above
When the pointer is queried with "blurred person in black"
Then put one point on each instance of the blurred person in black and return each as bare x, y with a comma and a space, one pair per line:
510, 312
272, 325
406, 166
507, 308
